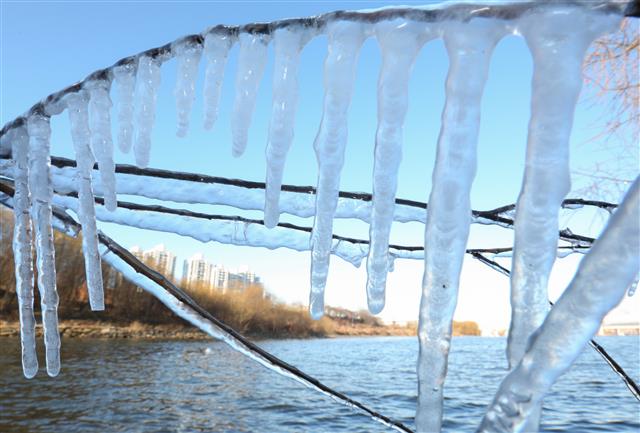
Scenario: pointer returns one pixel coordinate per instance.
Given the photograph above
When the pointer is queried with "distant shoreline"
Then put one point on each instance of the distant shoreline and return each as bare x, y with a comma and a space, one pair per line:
138, 330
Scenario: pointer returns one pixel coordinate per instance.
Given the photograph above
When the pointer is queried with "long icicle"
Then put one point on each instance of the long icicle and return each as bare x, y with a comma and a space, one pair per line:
77, 106
216, 50
399, 41
22, 251
101, 142
469, 46
345, 40
41, 194
147, 84
188, 55
287, 43
599, 285
558, 38
252, 59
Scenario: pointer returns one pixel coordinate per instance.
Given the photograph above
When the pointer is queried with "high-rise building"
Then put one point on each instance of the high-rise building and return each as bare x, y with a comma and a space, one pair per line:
158, 257
197, 270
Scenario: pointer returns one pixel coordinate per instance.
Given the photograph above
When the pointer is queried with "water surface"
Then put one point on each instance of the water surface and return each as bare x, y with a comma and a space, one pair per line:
199, 386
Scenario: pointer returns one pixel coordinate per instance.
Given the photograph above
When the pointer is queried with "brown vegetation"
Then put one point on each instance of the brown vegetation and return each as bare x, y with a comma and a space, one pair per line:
248, 311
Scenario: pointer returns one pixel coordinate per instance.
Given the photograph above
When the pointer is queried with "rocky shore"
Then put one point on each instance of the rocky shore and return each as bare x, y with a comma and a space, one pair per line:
138, 330
93, 329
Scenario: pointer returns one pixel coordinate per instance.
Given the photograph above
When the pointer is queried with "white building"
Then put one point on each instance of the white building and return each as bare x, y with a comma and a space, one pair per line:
197, 270
158, 257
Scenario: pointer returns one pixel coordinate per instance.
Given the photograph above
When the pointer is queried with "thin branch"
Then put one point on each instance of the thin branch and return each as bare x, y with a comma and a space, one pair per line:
233, 338
628, 381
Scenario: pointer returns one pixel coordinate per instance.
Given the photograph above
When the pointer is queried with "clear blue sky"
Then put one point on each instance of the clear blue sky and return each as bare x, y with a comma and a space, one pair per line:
49, 45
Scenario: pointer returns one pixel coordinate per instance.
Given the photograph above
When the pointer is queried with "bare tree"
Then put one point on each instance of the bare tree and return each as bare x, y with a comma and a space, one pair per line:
612, 81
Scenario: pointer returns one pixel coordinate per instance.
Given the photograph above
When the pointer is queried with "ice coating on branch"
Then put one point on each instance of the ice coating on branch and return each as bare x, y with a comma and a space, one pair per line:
188, 56
558, 39
125, 79
300, 204
599, 285
344, 41
214, 330
399, 41
22, 252
469, 46
252, 59
77, 107
216, 49
231, 231
101, 142
287, 43
147, 84
41, 194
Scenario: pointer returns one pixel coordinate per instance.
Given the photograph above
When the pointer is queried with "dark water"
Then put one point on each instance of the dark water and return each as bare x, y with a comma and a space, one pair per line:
150, 386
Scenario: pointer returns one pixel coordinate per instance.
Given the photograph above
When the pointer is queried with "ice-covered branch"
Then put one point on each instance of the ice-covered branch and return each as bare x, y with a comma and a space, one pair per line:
617, 368
599, 285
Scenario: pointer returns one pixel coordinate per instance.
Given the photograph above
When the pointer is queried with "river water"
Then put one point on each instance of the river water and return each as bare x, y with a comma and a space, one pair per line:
199, 386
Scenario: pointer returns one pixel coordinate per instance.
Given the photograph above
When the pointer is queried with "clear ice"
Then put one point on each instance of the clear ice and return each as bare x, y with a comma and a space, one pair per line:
252, 59
22, 251
216, 50
188, 56
101, 142
77, 107
558, 39
125, 79
41, 195
345, 40
147, 84
400, 41
599, 285
469, 46
287, 42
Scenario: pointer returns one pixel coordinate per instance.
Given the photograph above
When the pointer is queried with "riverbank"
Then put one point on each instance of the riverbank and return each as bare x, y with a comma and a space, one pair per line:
138, 330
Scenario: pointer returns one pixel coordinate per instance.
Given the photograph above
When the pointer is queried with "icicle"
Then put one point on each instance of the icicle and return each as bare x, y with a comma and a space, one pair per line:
101, 142
216, 48
251, 62
188, 56
41, 194
80, 135
22, 253
400, 41
345, 40
287, 43
147, 82
469, 47
125, 78
558, 39
598, 286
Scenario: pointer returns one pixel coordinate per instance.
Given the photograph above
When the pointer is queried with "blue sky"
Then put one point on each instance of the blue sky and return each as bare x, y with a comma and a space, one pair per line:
49, 45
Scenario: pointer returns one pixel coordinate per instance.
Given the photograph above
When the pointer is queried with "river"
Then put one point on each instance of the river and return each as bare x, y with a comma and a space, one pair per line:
199, 386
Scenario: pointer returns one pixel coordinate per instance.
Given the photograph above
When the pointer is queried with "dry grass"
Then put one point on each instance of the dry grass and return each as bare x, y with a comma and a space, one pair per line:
247, 311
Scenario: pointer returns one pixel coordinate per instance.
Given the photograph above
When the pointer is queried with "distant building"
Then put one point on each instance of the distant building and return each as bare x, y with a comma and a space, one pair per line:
158, 257
197, 270
620, 328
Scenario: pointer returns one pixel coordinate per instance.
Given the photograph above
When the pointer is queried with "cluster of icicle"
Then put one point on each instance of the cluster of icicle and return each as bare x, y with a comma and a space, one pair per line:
557, 36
